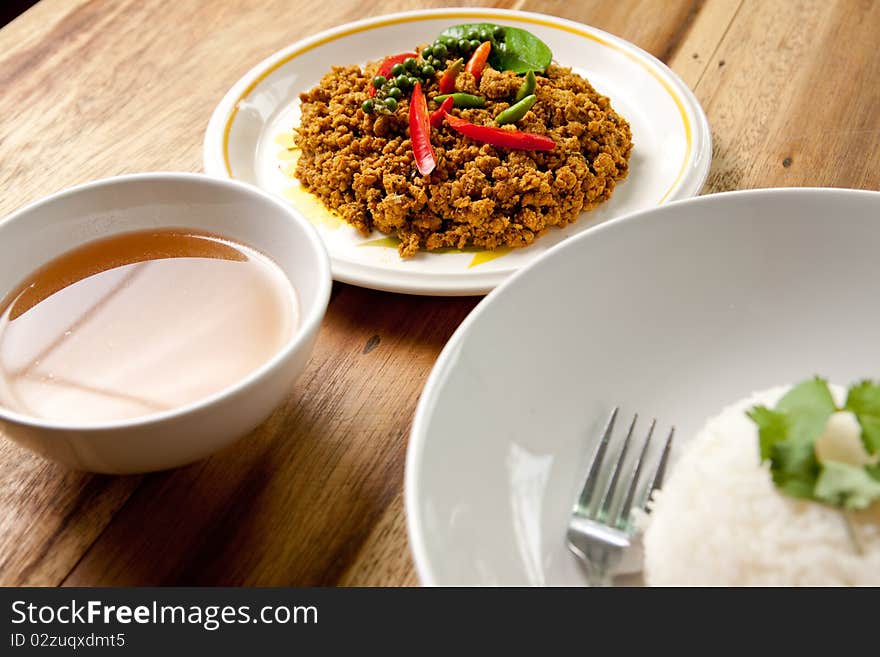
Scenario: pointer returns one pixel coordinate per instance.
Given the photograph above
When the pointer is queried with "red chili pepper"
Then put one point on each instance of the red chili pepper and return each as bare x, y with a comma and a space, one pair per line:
447, 81
386, 66
436, 117
478, 60
514, 139
420, 131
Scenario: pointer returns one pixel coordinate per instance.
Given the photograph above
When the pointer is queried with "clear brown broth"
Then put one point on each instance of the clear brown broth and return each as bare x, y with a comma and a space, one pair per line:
140, 323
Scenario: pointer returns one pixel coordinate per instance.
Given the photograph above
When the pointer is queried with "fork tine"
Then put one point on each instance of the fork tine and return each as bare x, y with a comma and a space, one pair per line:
657, 479
626, 507
583, 502
608, 497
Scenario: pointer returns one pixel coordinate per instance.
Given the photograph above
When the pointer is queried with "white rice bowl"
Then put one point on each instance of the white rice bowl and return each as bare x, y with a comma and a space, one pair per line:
720, 521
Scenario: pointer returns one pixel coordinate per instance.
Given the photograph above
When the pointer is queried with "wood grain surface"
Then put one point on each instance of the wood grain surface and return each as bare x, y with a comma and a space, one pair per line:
314, 496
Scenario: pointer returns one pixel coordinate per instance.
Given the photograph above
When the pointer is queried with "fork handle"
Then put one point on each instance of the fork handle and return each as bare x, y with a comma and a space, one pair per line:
596, 567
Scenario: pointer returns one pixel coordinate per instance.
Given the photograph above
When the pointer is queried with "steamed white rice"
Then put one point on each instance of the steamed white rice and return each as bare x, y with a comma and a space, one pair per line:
719, 520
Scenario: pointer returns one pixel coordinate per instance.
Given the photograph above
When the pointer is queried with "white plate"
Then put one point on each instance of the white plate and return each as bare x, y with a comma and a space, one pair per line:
670, 159
673, 312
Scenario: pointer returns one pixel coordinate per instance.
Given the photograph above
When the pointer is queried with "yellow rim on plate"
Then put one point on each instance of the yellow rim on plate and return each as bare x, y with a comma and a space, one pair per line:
688, 132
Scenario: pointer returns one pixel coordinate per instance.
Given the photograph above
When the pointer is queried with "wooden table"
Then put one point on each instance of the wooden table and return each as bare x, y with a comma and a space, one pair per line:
314, 497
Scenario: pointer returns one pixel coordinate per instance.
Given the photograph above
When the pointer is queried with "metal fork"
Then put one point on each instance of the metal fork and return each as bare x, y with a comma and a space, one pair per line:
601, 532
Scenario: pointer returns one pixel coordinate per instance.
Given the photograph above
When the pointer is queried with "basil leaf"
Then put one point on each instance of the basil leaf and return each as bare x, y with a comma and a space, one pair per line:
519, 51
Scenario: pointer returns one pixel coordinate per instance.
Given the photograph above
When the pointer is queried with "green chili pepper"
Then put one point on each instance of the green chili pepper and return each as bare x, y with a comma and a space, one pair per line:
462, 100
516, 111
527, 88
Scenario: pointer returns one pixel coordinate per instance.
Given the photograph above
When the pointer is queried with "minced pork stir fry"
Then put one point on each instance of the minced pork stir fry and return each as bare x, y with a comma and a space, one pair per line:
476, 139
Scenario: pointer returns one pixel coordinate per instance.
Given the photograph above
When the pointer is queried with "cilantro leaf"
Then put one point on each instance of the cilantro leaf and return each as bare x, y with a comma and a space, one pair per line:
808, 406
794, 468
847, 486
772, 428
864, 400
788, 432
792, 463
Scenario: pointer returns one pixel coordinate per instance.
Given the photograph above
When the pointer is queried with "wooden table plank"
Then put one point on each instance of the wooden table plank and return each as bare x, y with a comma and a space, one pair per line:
314, 496
384, 558
50, 516
657, 27
793, 97
698, 47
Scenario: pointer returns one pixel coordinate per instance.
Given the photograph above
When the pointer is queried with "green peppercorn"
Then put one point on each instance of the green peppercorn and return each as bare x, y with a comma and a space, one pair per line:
397, 69
447, 40
485, 35
436, 63
427, 51
428, 70
439, 51
391, 103
413, 80
368, 106
395, 92
402, 81
378, 81
498, 33
463, 46
473, 34
410, 64
474, 44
